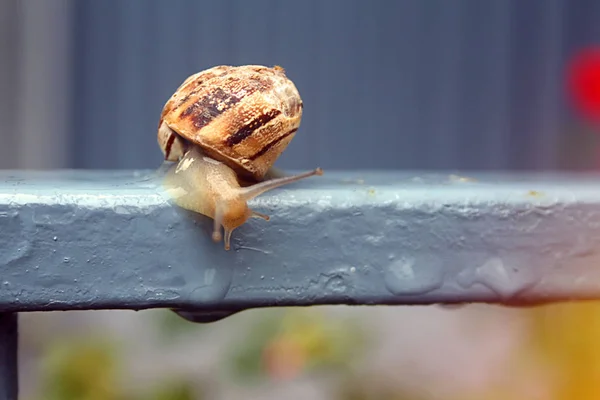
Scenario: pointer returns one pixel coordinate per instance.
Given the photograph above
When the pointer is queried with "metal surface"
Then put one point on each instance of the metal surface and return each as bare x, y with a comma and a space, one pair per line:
102, 240
9, 381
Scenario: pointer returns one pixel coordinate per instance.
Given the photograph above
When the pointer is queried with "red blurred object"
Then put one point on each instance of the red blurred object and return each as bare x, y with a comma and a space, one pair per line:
584, 83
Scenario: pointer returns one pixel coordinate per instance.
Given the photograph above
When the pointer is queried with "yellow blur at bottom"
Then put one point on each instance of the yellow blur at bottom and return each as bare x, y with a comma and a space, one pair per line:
566, 340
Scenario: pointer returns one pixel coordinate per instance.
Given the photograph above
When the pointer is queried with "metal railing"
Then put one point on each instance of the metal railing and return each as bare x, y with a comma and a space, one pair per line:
83, 240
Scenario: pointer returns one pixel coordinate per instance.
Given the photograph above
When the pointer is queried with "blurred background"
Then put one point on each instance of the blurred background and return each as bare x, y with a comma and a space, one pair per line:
405, 84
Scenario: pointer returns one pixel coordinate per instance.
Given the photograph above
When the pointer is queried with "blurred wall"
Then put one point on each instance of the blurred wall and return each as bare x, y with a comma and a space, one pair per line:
387, 84
35, 81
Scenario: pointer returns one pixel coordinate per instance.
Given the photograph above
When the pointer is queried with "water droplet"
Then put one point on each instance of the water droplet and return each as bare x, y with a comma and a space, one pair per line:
406, 276
503, 279
6, 283
51, 216
352, 269
14, 236
55, 238
209, 276
66, 259
335, 284
374, 239
122, 210
215, 285
262, 277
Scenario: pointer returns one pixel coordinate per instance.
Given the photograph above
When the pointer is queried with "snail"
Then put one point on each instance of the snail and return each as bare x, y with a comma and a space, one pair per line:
225, 127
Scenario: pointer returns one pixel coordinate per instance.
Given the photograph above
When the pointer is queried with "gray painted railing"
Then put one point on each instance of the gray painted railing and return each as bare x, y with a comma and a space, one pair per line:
77, 240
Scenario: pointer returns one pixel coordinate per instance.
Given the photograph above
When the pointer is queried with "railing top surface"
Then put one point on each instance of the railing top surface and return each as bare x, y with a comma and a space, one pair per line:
112, 239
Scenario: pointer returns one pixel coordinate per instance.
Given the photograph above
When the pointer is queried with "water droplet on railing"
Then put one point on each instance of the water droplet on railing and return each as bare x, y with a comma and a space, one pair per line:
215, 285
335, 284
503, 279
16, 241
409, 276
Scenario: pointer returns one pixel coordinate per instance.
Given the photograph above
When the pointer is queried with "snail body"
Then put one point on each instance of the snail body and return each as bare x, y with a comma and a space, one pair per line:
210, 187
225, 127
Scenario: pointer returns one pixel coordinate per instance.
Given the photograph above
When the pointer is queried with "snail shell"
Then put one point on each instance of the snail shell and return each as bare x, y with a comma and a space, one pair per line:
225, 127
244, 116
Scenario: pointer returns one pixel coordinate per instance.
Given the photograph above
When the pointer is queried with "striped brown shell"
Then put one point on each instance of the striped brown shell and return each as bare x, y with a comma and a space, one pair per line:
244, 116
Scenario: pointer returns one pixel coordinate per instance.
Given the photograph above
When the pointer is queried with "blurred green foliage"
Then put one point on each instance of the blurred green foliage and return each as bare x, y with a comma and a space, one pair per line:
292, 341
245, 357
88, 368
282, 343
82, 369
175, 390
